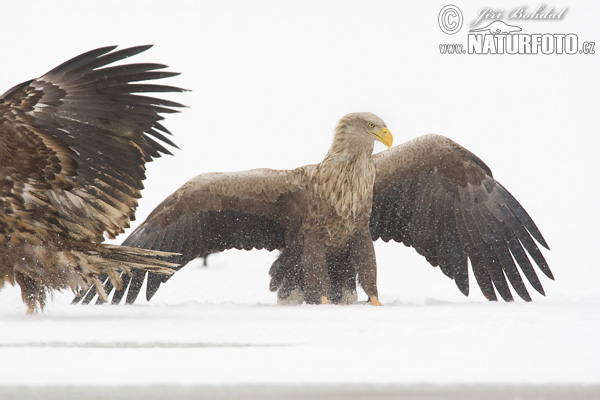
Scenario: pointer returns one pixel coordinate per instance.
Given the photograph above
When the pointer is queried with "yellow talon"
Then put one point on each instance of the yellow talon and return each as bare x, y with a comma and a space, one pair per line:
30, 310
324, 300
375, 301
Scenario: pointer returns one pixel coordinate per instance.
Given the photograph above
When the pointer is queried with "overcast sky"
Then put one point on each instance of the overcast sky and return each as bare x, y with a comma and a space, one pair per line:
270, 80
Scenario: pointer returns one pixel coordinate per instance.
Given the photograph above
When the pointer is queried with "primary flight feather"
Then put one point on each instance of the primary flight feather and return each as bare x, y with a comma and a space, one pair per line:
73, 144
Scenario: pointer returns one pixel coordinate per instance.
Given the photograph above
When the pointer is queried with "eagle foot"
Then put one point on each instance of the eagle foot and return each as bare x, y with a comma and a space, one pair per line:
375, 301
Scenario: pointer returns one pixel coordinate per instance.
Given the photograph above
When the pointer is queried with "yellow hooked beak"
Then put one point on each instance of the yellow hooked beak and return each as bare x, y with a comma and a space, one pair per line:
384, 136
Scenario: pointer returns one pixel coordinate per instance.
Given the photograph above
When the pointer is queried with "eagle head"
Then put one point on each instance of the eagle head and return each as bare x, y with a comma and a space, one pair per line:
365, 126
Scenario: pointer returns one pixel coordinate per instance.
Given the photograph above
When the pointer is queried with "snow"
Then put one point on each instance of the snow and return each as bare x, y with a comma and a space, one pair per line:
218, 327
269, 81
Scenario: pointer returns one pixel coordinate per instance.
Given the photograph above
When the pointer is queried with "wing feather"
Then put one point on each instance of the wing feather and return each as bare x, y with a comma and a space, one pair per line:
436, 196
215, 212
90, 135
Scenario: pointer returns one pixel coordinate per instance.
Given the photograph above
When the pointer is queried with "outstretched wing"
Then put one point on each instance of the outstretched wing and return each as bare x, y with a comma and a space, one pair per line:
438, 197
73, 143
215, 212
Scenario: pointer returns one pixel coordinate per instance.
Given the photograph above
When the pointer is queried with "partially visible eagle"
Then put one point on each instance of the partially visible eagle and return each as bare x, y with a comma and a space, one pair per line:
73, 144
429, 193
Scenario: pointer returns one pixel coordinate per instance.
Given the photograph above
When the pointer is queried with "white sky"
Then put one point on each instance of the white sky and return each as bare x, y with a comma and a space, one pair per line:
270, 79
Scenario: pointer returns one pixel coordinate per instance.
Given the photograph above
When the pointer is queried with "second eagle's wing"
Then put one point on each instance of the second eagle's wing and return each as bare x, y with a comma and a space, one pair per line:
74, 142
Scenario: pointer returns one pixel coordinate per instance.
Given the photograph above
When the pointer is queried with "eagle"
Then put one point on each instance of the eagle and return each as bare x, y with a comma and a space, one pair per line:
73, 144
429, 193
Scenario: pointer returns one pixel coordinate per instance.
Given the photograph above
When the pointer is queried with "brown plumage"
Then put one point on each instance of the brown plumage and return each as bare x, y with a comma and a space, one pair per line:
73, 144
429, 193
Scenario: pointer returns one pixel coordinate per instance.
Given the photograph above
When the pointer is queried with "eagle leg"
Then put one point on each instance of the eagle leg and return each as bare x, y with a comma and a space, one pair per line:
362, 259
342, 277
32, 292
316, 276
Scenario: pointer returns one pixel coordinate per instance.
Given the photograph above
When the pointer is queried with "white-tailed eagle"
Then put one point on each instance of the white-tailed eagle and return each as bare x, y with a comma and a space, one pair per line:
73, 144
429, 193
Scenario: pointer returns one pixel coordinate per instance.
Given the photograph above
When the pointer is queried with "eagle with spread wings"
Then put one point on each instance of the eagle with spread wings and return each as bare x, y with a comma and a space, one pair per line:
429, 193
73, 144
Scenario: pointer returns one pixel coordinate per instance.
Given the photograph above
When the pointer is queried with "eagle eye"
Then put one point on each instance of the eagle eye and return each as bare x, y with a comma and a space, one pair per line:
371, 125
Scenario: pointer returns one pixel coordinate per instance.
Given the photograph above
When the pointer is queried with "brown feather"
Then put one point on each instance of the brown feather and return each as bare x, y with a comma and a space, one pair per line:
487, 225
73, 144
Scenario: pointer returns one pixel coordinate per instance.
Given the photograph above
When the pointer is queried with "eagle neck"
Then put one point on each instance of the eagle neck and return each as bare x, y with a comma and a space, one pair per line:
349, 149
346, 176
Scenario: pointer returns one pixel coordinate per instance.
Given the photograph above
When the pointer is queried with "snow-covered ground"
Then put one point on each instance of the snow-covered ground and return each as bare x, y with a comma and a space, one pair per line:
217, 332
269, 80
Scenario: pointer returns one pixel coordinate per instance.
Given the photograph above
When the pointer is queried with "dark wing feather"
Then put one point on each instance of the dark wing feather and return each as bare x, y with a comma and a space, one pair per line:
439, 198
215, 212
91, 135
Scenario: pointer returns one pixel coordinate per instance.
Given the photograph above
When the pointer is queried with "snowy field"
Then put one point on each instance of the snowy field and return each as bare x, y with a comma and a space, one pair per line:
217, 332
269, 81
